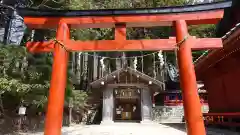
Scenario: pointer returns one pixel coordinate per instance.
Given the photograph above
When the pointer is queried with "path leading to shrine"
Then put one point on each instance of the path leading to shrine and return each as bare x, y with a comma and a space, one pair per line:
132, 129
127, 129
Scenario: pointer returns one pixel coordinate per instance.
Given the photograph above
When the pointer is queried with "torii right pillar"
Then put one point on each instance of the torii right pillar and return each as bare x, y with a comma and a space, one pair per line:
191, 101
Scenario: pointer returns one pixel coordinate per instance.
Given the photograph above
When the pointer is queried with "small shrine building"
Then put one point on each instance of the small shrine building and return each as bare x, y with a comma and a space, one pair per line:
127, 95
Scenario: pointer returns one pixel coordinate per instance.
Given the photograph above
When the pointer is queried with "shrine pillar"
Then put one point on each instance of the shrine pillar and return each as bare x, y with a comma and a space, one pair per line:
53, 123
107, 112
146, 106
191, 102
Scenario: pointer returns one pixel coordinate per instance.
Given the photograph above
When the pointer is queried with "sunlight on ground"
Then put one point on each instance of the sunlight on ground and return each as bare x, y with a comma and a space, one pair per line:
133, 129
120, 129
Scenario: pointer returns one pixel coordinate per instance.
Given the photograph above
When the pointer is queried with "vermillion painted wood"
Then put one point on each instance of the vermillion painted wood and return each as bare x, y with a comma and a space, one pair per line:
125, 45
192, 18
191, 101
54, 116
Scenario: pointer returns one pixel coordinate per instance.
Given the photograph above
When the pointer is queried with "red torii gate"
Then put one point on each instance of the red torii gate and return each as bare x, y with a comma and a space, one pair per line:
180, 21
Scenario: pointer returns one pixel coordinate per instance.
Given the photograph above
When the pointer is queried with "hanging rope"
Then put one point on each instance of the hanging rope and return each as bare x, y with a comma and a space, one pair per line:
201, 56
103, 58
43, 3
145, 55
135, 57
132, 57
178, 47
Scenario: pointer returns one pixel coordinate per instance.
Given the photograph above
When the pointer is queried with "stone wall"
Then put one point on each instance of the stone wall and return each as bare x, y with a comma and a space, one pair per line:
171, 114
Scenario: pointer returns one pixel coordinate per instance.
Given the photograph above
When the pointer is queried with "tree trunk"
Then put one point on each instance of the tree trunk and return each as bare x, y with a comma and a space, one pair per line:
95, 66
1, 106
90, 66
73, 59
70, 116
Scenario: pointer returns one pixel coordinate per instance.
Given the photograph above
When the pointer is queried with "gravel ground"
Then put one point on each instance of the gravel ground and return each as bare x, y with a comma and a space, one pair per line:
133, 129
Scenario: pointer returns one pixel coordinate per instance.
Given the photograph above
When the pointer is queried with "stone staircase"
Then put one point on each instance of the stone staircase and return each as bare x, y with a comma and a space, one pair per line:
171, 114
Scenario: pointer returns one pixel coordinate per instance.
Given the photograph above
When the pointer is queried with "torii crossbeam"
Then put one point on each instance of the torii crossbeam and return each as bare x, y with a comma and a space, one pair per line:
177, 17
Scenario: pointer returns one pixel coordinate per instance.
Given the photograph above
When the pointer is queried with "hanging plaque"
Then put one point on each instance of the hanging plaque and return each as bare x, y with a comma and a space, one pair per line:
126, 93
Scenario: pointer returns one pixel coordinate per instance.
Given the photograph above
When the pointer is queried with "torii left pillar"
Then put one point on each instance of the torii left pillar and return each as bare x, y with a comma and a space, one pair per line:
53, 123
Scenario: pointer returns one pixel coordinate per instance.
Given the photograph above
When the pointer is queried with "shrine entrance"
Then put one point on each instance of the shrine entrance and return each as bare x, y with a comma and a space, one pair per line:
127, 105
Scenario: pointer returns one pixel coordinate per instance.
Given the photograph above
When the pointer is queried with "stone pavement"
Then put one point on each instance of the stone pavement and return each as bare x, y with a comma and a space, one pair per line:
131, 129
126, 129
119, 129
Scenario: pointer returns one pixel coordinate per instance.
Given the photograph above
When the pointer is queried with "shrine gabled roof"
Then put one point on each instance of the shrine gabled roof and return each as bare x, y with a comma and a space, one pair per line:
110, 77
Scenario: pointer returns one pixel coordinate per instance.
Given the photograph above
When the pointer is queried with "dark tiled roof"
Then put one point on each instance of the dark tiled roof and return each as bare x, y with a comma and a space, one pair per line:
215, 56
230, 33
237, 27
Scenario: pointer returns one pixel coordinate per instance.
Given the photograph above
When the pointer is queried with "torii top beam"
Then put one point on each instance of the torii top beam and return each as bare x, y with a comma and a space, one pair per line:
209, 13
120, 19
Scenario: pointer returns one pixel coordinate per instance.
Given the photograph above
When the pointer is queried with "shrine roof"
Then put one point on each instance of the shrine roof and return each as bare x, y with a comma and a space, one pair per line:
110, 12
215, 56
232, 31
229, 30
110, 77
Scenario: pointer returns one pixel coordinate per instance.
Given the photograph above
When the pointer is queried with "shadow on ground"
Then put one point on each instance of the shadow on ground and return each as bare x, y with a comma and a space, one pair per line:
178, 126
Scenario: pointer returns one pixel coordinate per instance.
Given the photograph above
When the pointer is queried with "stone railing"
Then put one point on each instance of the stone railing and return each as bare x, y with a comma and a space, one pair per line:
171, 114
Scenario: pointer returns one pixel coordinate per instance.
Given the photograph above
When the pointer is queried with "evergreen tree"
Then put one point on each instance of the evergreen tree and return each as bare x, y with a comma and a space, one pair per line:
26, 76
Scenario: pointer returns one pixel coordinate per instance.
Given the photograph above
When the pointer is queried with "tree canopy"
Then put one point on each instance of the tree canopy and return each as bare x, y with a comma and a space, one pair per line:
26, 76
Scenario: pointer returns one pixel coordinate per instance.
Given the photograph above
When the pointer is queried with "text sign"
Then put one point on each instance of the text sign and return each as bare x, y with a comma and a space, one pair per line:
212, 119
